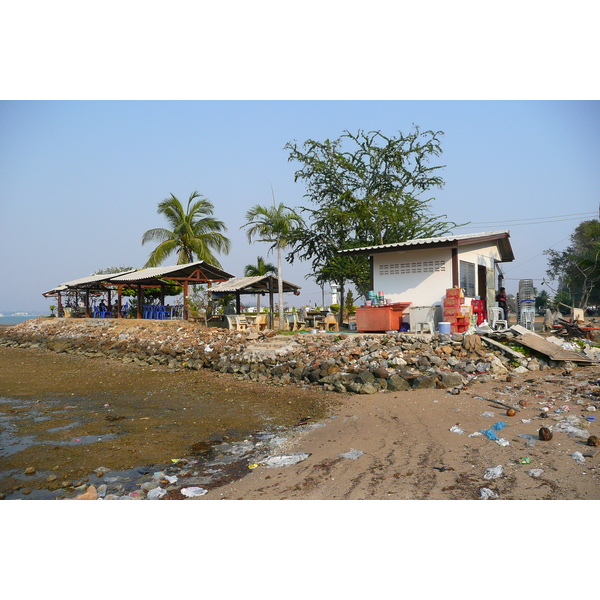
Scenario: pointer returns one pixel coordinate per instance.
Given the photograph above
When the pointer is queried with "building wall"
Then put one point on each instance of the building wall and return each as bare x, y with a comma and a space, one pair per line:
422, 276
417, 276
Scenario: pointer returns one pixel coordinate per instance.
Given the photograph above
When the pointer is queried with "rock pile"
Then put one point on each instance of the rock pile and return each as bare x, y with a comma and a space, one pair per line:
356, 363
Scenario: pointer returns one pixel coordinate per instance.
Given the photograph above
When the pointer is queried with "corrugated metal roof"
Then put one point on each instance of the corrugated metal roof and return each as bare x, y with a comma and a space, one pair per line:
447, 239
54, 291
174, 271
250, 285
85, 281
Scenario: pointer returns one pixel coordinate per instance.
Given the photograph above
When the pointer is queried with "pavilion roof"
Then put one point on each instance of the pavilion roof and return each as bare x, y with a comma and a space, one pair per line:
252, 285
196, 272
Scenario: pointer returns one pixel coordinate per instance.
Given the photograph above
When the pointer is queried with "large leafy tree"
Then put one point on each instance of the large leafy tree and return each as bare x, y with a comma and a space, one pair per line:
260, 269
194, 233
276, 225
365, 189
577, 269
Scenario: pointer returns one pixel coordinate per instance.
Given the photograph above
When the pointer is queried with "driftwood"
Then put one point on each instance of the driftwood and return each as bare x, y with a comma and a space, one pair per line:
502, 347
571, 330
498, 402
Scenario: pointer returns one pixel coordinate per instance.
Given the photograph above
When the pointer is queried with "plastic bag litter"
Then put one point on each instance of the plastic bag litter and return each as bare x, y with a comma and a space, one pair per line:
156, 493
493, 472
530, 440
284, 460
486, 493
535, 472
489, 434
193, 492
502, 442
456, 429
352, 454
578, 457
499, 426
571, 431
488, 415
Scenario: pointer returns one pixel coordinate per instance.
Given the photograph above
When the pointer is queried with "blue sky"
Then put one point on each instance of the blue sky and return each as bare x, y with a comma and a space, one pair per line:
80, 181
94, 129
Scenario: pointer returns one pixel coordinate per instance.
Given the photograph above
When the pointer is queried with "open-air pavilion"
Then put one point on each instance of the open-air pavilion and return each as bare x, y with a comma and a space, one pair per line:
184, 275
258, 285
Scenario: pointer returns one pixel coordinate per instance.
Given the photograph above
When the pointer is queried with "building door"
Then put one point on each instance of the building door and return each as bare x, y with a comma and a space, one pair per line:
482, 284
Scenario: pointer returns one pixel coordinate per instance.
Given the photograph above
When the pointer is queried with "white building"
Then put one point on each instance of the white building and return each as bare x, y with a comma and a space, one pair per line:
419, 271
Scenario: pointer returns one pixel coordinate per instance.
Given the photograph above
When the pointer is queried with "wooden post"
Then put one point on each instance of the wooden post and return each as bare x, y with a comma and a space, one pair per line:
271, 306
119, 299
140, 301
186, 288
455, 268
87, 304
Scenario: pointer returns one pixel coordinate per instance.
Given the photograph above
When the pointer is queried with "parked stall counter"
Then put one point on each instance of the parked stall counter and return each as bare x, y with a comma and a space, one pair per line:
380, 318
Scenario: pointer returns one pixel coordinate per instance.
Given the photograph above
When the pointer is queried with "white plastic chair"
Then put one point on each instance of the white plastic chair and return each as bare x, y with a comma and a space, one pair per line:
497, 320
428, 323
528, 318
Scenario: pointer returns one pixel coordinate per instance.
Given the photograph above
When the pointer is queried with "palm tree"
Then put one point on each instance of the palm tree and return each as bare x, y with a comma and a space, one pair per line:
275, 225
258, 270
194, 232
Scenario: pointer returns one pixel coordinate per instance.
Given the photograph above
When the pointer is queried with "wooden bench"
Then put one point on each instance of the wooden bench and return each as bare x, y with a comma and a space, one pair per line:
329, 323
260, 324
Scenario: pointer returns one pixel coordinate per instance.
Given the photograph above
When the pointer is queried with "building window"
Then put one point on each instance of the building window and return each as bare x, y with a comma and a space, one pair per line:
467, 278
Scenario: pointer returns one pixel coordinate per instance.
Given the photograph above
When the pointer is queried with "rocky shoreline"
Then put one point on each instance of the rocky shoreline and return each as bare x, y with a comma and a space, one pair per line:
339, 362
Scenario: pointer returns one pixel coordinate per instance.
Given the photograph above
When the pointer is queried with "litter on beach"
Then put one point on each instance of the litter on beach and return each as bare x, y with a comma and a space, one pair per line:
486, 493
352, 454
284, 460
193, 492
156, 493
493, 472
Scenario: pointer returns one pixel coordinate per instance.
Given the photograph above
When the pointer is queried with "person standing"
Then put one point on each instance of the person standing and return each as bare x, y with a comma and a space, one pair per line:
501, 300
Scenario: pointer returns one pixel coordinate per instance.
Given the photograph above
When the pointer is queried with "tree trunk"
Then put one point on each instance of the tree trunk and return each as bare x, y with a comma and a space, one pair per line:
341, 319
280, 286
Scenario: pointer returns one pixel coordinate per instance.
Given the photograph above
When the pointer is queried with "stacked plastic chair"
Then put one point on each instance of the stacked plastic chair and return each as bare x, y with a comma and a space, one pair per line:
526, 304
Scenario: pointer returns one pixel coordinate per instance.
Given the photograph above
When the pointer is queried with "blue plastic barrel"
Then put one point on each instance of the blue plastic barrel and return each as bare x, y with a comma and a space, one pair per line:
444, 327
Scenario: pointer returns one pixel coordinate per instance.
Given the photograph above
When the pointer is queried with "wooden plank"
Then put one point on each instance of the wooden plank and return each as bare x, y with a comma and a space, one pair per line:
502, 347
551, 350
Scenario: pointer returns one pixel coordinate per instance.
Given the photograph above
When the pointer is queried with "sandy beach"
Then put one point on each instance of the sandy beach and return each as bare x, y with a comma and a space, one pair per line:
400, 446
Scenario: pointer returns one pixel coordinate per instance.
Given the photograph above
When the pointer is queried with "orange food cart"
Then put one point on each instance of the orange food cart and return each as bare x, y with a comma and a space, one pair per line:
380, 318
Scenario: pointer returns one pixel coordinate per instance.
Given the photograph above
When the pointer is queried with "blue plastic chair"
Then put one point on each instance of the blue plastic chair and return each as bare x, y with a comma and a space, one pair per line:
96, 313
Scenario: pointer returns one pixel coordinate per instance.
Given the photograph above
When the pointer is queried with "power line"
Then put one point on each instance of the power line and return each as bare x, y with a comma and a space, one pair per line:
499, 224
530, 221
534, 257
537, 219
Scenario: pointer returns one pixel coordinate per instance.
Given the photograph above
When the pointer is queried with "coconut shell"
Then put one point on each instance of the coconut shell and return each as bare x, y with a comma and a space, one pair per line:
545, 434
524, 402
593, 440
511, 412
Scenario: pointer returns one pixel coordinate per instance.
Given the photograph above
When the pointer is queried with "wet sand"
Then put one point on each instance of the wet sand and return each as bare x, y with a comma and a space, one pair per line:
97, 412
